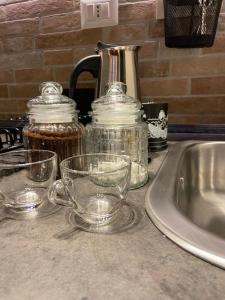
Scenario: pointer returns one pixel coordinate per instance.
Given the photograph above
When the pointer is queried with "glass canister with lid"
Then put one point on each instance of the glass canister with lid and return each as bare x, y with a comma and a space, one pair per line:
117, 127
53, 123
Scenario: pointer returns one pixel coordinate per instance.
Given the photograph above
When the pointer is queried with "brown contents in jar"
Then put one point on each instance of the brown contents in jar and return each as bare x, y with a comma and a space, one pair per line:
65, 144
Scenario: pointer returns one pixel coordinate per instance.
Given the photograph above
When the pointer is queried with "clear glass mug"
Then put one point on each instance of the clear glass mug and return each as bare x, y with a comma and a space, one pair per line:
25, 177
94, 185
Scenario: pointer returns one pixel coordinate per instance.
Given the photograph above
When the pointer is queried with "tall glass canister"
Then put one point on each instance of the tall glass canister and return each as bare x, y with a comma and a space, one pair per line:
53, 123
117, 127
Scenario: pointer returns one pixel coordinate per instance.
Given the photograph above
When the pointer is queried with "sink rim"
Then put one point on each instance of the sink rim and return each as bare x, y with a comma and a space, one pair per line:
160, 206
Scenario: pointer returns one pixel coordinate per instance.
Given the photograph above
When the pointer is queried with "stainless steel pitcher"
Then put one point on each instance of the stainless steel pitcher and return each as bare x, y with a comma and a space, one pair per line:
111, 63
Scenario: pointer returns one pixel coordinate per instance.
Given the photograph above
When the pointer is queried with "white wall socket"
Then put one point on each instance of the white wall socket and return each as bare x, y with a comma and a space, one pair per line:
98, 13
159, 10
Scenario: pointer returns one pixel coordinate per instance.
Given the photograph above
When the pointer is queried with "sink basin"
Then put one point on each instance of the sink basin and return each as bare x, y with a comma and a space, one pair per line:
186, 199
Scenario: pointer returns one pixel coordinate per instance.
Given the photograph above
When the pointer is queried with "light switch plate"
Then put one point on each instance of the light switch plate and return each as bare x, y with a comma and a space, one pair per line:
98, 13
159, 10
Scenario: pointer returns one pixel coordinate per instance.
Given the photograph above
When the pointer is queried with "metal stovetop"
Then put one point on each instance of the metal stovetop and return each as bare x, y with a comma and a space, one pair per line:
11, 137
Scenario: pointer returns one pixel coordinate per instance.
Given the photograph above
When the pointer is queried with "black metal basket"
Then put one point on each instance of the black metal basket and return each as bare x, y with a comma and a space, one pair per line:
191, 23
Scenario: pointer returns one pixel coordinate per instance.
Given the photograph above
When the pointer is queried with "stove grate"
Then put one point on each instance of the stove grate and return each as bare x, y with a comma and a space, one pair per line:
11, 136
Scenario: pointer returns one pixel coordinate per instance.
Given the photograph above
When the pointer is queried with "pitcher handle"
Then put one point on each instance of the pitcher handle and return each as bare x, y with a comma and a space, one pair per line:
89, 64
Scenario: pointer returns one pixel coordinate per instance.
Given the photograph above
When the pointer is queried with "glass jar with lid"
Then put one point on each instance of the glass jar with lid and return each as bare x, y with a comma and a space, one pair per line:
117, 127
53, 123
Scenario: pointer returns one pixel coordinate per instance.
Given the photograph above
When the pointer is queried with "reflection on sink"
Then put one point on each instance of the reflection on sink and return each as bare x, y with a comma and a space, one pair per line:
186, 200
201, 188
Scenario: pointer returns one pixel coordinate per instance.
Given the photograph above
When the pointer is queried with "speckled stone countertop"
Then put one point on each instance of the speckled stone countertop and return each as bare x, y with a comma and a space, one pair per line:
140, 263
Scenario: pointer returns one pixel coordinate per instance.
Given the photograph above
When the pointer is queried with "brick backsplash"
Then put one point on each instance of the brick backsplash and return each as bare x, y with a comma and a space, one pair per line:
42, 40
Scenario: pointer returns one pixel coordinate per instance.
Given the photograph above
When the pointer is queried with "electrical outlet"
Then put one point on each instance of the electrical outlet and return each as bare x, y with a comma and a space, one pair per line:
223, 7
98, 13
159, 10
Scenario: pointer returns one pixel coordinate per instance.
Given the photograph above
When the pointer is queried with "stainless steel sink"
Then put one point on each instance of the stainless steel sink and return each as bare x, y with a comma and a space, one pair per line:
186, 199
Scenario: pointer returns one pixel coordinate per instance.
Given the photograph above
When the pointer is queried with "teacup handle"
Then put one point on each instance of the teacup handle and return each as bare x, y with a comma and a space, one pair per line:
57, 188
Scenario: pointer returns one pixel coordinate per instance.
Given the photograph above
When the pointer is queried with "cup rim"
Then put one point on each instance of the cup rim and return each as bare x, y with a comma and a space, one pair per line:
9, 165
124, 157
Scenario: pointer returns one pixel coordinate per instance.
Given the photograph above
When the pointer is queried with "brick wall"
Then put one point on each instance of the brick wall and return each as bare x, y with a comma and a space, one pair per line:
41, 40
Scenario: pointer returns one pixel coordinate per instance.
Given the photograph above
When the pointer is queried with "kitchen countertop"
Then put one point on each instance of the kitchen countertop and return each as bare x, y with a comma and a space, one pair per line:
140, 263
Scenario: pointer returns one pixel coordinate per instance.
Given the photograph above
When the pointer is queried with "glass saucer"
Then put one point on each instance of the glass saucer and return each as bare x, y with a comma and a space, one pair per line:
126, 218
43, 210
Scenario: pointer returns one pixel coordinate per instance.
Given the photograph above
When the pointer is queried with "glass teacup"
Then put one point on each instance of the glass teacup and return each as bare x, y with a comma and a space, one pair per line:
94, 185
25, 177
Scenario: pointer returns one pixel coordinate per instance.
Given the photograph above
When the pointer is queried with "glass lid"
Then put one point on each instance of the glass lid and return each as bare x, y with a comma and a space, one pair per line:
51, 106
116, 100
51, 93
